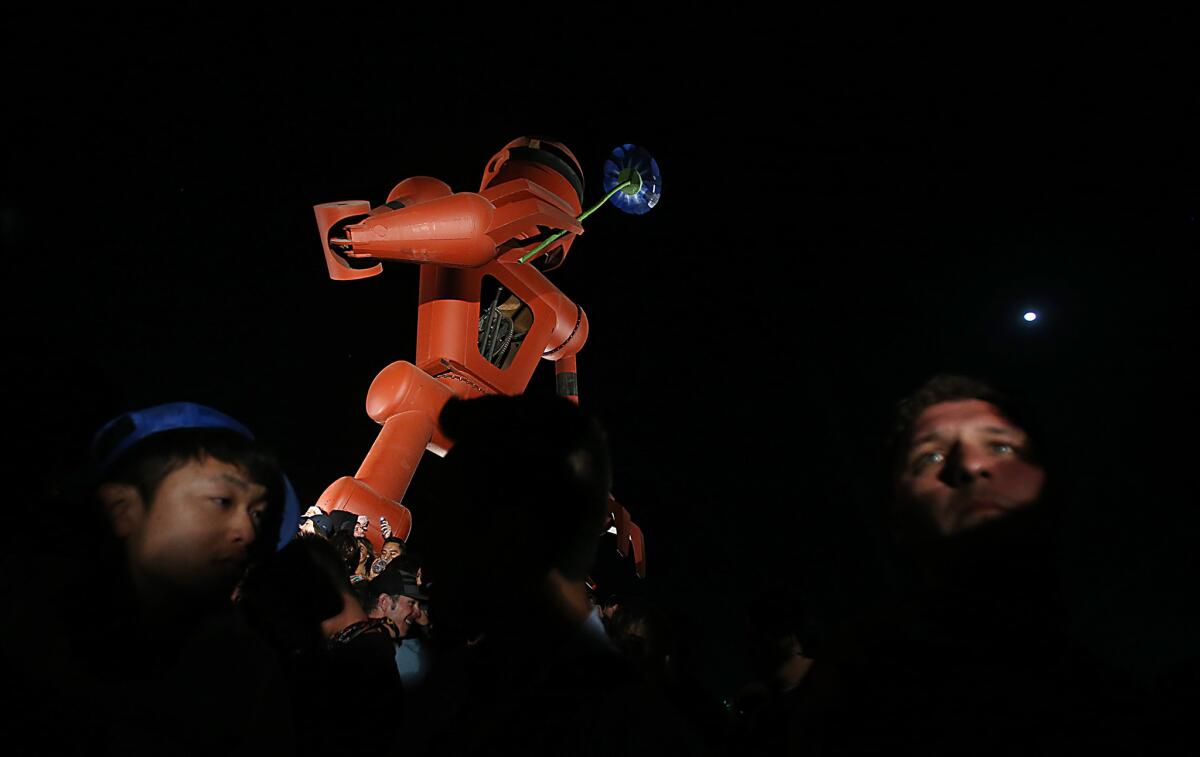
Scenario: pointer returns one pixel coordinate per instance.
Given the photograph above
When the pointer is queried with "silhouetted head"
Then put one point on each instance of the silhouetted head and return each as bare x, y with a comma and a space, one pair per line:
777, 630
288, 596
524, 494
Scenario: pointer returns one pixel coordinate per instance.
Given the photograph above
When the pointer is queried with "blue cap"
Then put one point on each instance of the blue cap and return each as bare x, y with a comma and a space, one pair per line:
116, 437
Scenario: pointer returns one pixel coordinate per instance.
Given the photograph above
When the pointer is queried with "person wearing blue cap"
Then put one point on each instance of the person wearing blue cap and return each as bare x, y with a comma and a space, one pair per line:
192, 497
144, 649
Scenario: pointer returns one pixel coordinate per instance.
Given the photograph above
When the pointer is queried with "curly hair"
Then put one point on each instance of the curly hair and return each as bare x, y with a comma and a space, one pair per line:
947, 387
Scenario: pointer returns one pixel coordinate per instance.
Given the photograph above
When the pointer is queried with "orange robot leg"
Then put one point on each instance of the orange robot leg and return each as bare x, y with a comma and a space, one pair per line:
407, 401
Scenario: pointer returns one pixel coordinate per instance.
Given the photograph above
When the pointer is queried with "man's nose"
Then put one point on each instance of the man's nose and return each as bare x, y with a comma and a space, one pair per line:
241, 528
964, 464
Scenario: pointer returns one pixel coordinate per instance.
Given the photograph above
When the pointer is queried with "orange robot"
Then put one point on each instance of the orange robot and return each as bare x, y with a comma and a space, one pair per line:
486, 313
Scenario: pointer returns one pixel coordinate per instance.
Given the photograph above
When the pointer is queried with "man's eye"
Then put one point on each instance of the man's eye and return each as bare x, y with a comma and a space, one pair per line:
223, 501
925, 460
256, 519
1002, 448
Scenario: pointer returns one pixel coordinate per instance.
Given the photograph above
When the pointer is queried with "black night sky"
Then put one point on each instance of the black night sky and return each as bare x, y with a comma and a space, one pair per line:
844, 213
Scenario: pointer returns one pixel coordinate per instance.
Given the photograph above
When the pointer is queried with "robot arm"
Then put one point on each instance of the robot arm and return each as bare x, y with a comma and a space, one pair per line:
566, 379
629, 535
424, 222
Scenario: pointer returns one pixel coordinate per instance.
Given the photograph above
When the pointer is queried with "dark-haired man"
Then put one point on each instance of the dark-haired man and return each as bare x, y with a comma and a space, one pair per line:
394, 595
192, 497
962, 459
157, 658
393, 547
972, 655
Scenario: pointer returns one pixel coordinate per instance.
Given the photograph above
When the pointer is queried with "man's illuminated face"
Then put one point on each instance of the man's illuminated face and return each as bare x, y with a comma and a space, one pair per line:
195, 535
403, 611
965, 465
361, 524
391, 550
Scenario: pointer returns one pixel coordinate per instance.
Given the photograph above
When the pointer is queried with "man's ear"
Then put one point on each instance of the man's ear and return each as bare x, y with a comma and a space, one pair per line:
124, 507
